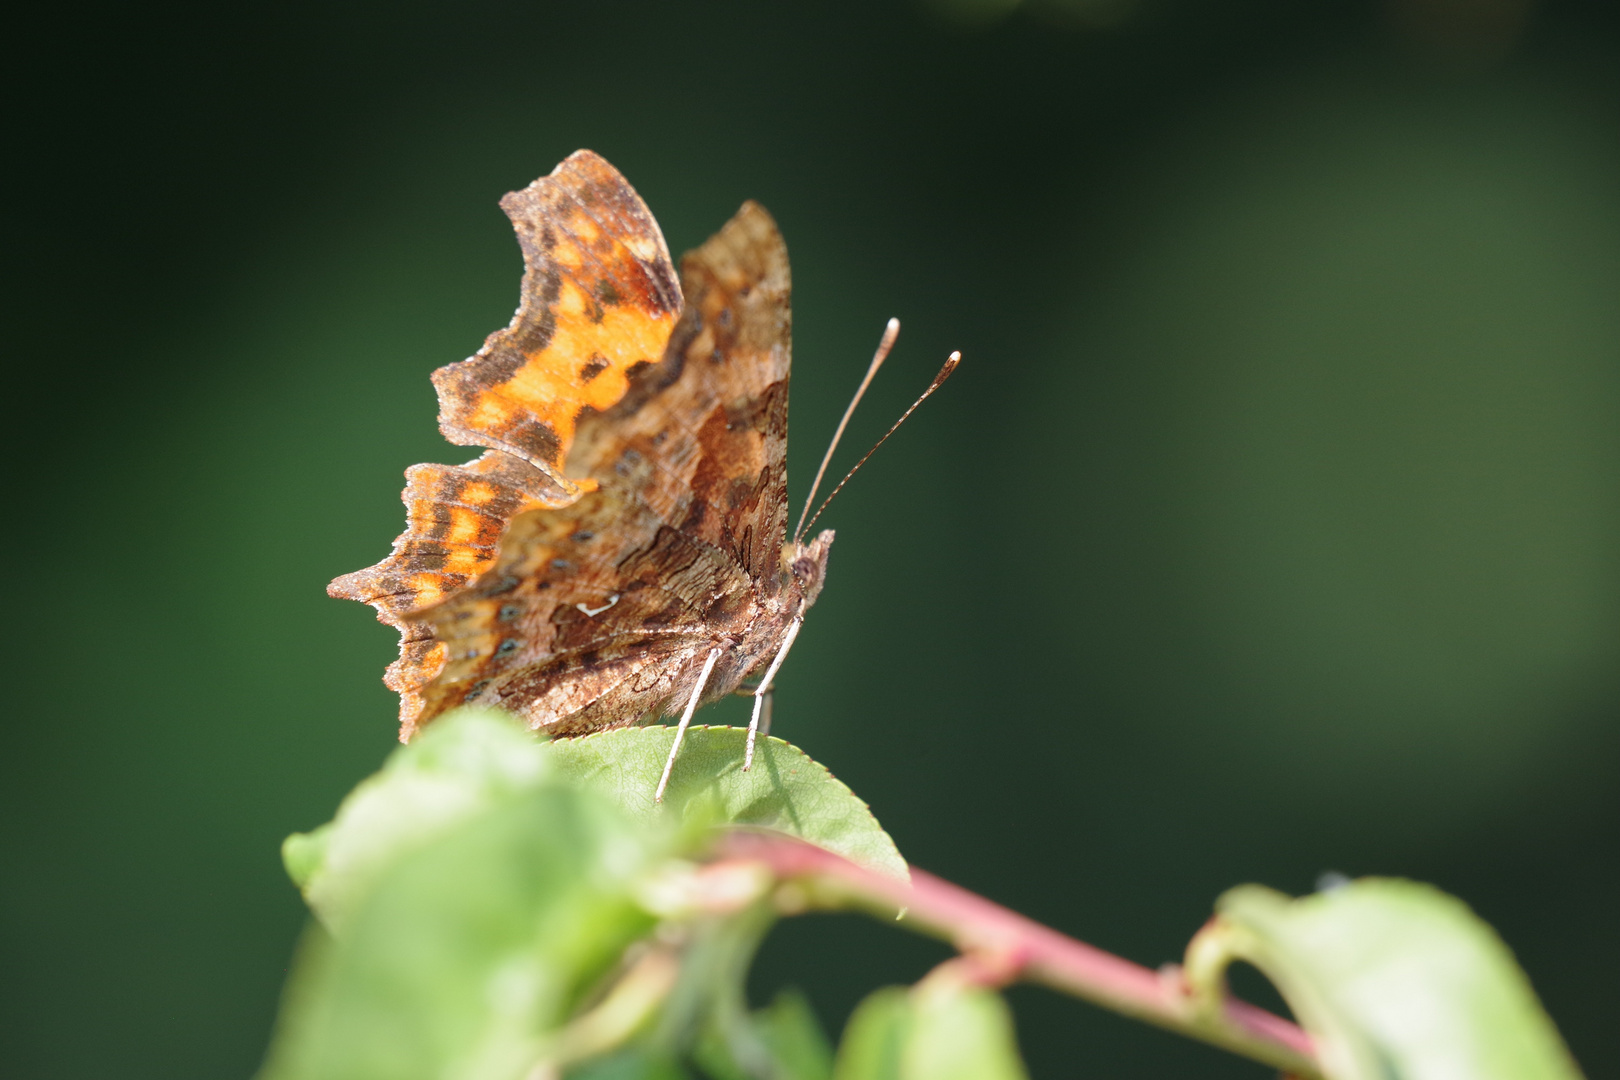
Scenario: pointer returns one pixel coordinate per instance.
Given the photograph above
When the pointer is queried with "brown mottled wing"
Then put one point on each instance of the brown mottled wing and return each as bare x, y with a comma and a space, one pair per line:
599, 298
598, 614
454, 516
712, 414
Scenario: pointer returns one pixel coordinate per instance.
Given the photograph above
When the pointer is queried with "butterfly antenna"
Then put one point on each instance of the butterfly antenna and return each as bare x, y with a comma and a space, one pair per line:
939, 380
890, 332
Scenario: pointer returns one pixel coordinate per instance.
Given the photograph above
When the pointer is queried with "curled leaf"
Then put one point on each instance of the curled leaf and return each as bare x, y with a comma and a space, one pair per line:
1391, 978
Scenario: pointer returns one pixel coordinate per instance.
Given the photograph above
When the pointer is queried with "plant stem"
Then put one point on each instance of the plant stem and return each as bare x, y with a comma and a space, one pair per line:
1005, 946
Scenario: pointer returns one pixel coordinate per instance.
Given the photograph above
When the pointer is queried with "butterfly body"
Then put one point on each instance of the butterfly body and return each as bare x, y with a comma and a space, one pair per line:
626, 526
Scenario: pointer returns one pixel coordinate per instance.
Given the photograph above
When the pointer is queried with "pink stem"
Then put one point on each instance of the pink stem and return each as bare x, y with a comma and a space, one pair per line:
1006, 941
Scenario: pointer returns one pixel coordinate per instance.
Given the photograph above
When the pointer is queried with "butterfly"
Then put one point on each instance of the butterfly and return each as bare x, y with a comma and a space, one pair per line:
619, 551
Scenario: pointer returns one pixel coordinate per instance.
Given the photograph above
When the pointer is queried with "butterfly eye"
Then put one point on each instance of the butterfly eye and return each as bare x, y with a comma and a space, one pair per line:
804, 569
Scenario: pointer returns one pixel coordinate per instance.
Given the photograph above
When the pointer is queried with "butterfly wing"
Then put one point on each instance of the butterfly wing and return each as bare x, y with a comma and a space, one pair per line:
598, 613
633, 499
712, 414
599, 297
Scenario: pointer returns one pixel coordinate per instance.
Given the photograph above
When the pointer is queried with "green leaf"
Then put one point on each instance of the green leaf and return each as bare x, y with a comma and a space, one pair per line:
784, 1040
789, 1029
633, 1064
1396, 979
466, 763
942, 1029
959, 1033
785, 790
875, 1037
468, 951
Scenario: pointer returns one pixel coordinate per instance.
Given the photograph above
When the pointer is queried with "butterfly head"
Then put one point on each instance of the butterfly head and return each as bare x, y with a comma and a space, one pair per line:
807, 564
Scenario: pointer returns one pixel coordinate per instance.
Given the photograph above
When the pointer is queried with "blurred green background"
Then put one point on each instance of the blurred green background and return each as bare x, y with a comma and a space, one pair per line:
1269, 528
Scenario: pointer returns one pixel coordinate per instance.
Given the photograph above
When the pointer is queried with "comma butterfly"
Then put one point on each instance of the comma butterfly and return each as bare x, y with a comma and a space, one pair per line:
620, 548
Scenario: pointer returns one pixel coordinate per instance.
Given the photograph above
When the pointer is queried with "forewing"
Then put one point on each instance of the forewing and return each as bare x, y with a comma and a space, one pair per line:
599, 297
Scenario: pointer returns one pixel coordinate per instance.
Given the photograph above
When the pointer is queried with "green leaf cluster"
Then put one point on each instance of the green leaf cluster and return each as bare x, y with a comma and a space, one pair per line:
492, 906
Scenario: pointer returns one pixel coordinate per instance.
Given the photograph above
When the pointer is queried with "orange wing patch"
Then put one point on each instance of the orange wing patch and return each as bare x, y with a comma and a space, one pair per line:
600, 297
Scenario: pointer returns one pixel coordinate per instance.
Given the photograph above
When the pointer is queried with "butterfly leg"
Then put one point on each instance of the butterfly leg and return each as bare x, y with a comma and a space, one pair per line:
762, 694
686, 718
765, 713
